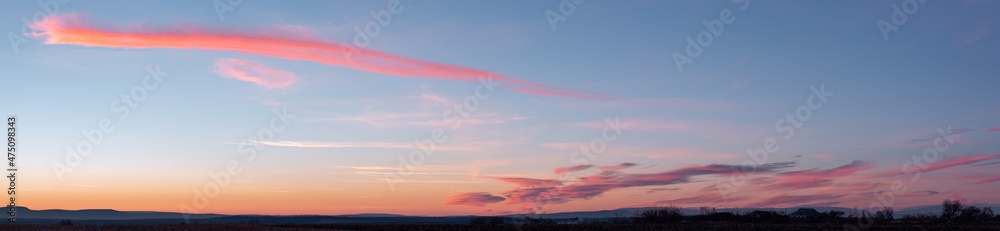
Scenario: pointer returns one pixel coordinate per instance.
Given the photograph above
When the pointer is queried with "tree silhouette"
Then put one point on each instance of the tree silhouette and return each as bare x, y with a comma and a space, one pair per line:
950, 210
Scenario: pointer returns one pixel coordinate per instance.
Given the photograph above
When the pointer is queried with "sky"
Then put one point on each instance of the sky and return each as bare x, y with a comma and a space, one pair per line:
487, 108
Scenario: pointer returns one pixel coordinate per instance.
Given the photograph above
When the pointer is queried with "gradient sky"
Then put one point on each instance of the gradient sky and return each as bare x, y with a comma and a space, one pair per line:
682, 131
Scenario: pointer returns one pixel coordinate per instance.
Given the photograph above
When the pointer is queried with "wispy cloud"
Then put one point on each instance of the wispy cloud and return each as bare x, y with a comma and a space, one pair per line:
958, 161
616, 167
427, 109
930, 138
683, 154
653, 190
473, 199
576, 168
561, 94
986, 181
841, 171
606, 169
308, 144
918, 137
528, 182
592, 186
383, 173
813, 178
651, 152
717, 130
277, 43
379, 119
688, 104
976, 35
253, 72
468, 146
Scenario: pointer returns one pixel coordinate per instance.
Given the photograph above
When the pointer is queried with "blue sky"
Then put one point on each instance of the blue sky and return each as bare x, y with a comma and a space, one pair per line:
936, 71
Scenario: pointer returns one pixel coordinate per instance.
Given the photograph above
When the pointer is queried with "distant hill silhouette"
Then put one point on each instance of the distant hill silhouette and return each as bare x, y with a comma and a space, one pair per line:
101, 214
114, 217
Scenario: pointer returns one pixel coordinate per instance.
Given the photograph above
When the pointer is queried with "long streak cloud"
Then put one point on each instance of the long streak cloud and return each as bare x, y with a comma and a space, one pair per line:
71, 29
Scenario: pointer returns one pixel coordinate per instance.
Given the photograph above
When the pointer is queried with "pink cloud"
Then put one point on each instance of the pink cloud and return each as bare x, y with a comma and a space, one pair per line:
473, 199
253, 72
613, 168
564, 170
528, 182
962, 160
986, 181
277, 43
958, 161
616, 167
993, 129
814, 175
533, 196
272, 102
592, 186
826, 190
653, 190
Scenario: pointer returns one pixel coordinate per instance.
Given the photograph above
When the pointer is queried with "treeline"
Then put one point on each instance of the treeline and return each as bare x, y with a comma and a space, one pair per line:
952, 211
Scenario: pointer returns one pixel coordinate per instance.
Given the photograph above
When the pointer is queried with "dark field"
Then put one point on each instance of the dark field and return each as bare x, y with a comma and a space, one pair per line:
580, 227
